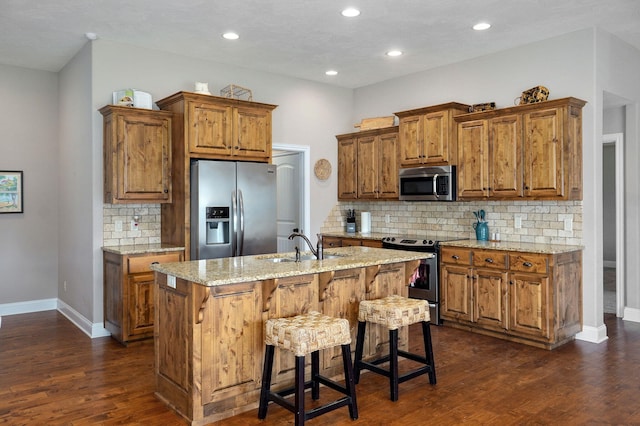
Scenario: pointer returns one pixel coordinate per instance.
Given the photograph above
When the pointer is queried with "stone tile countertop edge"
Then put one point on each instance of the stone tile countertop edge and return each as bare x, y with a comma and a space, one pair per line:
513, 246
142, 249
231, 270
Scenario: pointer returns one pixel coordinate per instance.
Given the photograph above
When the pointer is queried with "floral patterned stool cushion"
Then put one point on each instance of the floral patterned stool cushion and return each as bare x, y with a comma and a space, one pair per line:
394, 312
308, 334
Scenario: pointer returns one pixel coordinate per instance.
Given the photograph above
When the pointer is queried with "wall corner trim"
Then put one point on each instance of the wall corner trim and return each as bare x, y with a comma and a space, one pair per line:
593, 334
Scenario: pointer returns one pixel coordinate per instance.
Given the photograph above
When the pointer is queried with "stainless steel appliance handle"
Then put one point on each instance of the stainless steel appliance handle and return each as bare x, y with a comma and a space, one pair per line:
435, 185
234, 208
241, 234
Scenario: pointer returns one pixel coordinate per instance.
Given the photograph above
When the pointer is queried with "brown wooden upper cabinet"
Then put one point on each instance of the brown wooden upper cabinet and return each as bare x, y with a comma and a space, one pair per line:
223, 128
368, 164
215, 128
529, 151
347, 167
428, 135
137, 155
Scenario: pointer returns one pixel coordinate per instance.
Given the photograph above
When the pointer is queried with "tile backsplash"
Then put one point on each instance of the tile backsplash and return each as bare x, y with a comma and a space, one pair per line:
542, 221
148, 224
550, 222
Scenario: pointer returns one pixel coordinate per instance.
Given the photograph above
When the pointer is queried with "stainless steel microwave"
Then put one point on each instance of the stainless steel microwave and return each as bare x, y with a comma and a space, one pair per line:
434, 183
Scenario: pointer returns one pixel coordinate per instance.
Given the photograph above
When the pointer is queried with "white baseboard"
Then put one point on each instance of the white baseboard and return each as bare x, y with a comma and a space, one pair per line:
631, 314
28, 306
593, 334
92, 330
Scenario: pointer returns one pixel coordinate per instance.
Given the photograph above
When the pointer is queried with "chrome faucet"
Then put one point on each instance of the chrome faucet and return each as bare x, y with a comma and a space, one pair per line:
317, 251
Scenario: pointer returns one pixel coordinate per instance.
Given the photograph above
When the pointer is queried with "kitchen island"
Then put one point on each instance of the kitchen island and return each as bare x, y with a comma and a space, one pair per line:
210, 314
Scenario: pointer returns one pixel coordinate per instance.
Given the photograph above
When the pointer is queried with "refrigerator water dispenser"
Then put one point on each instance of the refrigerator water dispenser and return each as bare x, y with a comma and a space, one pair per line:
217, 225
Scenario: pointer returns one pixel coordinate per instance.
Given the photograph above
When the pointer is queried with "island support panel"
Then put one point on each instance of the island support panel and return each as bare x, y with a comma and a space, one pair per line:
209, 343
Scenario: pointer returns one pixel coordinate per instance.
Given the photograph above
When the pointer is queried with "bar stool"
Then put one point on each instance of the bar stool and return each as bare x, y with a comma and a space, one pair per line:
307, 334
393, 312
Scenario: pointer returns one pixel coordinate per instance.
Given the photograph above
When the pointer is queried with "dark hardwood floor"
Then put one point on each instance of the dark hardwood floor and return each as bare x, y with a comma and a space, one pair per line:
53, 374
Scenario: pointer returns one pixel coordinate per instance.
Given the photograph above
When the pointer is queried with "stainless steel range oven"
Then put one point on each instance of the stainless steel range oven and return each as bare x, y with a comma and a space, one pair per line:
425, 283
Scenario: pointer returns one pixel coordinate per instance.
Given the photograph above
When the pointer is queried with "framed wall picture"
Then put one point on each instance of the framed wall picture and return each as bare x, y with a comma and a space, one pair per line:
10, 192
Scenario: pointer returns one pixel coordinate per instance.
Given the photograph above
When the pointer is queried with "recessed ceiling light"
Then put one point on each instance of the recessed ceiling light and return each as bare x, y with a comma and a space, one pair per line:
231, 36
350, 12
481, 26
394, 53
331, 72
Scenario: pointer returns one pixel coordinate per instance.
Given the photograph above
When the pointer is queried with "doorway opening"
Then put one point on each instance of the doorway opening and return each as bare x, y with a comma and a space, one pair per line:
613, 223
294, 201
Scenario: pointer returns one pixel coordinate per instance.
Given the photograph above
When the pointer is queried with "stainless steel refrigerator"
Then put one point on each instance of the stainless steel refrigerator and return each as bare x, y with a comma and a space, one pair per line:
233, 209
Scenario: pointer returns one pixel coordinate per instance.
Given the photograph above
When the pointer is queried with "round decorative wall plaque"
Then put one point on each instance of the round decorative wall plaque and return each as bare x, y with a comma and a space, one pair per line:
322, 169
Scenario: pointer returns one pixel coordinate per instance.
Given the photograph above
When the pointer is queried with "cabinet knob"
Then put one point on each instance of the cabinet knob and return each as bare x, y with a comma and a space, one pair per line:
488, 260
455, 256
528, 264
166, 190
155, 263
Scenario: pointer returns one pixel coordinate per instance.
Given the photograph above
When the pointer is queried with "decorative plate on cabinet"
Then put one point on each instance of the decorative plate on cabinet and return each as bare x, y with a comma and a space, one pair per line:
322, 169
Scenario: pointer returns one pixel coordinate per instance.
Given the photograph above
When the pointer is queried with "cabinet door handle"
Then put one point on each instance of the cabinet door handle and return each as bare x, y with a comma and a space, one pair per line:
155, 263
488, 260
528, 264
455, 256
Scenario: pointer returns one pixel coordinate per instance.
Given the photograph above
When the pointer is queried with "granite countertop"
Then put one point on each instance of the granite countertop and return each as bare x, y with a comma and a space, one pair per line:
514, 246
230, 270
142, 249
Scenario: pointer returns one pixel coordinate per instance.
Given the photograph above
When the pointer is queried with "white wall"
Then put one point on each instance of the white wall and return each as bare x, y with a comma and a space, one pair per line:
29, 241
609, 204
308, 114
77, 250
565, 65
617, 70
613, 122
581, 64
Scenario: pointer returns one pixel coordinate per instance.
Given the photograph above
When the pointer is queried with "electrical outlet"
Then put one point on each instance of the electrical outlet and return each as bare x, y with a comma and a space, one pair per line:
118, 226
387, 219
568, 224
517, 221
171, 281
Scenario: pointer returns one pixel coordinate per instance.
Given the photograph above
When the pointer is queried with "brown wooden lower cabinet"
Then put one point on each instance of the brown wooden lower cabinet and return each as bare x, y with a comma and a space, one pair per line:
329, 241
209, 343
530, 298
128, 293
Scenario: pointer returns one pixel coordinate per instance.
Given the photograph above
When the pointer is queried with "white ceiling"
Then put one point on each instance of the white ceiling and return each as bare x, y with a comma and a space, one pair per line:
304, 38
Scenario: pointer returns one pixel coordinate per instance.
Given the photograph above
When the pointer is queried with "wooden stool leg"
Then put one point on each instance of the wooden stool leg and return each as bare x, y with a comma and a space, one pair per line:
315, 372
266, 381
393, 363
299, 392
349, 382
362, 325
428, 349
